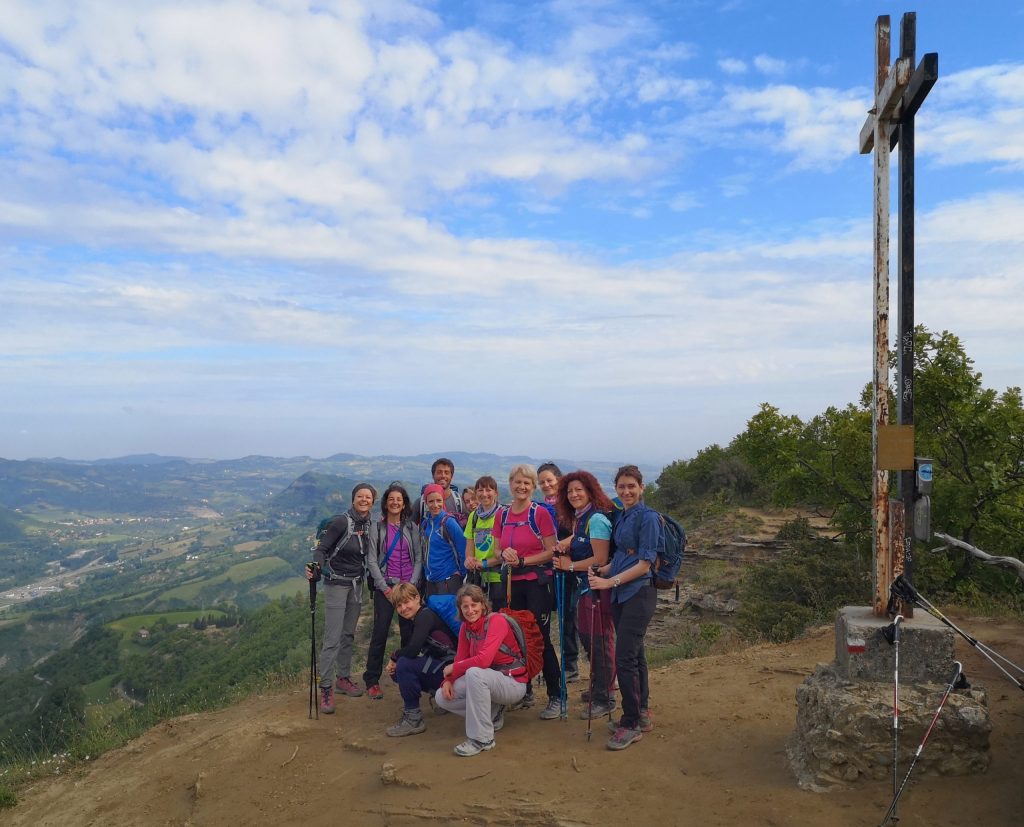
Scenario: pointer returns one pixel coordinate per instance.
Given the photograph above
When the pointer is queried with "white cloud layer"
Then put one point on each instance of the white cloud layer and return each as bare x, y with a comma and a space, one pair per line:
285, 200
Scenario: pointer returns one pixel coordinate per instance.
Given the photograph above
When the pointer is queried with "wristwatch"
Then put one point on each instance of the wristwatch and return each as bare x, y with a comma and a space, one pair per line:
617, 581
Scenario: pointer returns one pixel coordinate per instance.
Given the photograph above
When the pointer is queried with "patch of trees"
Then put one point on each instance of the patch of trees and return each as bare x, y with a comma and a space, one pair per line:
975, 435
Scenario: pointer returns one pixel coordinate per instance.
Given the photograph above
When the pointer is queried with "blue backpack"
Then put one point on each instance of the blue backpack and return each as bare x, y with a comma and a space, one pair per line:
670, 556
443, 605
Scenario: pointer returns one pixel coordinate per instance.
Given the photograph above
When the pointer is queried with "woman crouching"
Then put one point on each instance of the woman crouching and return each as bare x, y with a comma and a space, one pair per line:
417, 666
489, 672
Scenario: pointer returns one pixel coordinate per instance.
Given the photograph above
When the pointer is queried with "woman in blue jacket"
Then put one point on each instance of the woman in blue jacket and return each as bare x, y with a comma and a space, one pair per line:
637, 536
445, 567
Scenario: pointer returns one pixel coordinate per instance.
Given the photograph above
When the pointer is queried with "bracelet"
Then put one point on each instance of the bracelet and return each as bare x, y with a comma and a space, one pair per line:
522, 562
484, 565
617, 581
572, 567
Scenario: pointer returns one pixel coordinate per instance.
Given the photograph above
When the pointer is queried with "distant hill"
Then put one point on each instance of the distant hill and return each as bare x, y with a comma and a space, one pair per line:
154, 485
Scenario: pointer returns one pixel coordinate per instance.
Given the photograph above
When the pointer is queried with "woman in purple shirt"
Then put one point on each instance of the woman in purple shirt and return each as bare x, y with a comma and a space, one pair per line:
395, 555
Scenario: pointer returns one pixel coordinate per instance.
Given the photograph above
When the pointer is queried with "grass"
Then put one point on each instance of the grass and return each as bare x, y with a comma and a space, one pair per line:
288, 588
238, 573
98, 691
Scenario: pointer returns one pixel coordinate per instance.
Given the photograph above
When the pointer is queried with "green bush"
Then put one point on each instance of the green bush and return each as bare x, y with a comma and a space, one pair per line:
804, 586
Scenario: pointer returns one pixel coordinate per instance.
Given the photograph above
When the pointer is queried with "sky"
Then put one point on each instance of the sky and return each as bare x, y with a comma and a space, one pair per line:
604, 230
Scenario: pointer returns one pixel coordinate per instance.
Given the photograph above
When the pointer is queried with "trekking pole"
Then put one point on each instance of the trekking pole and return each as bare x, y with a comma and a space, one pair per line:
905, 591
892, 634
590, 690
314, 678
958, 680
563, 695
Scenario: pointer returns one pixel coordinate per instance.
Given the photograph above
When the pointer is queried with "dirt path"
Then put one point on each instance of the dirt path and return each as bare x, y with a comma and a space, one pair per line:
716, 757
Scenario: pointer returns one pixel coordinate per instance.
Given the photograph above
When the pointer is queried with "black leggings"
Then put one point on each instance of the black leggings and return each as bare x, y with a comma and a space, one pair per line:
631, 620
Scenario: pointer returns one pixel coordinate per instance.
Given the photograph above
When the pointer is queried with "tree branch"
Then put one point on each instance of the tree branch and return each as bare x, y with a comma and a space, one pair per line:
1005, 562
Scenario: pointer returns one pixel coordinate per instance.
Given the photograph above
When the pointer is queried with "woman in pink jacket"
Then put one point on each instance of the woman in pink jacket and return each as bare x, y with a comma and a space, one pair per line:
489, 672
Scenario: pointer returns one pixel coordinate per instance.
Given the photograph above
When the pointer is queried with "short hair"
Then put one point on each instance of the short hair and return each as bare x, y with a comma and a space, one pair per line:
360, 486
401, 592
474, 593
406, 502
598, 498
486, 482
629, 471
549, 466
442, 461
523, 470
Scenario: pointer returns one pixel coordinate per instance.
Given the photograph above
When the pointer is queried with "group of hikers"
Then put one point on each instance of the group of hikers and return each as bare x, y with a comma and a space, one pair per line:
504, 569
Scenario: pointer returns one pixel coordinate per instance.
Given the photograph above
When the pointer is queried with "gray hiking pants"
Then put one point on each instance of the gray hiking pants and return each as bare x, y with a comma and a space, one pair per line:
342, 602
478, 694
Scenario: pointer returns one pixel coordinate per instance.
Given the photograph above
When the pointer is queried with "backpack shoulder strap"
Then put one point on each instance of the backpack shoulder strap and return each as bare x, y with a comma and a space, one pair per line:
531, 518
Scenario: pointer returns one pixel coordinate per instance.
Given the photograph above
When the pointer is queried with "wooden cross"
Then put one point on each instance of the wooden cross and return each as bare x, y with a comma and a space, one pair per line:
899, 93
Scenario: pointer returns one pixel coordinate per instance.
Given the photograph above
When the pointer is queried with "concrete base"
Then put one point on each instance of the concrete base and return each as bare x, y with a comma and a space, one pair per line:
863, 653
843, 731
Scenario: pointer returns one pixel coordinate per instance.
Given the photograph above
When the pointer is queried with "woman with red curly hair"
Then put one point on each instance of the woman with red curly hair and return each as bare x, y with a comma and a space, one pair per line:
583, 506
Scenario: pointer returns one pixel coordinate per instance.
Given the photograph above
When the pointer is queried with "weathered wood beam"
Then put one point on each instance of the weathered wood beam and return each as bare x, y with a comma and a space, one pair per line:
921, 83
888, 98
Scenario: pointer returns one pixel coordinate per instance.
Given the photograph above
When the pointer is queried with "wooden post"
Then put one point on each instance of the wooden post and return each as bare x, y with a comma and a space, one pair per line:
881, 574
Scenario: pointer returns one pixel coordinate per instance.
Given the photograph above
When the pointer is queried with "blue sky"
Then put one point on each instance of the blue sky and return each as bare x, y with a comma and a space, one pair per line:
594, 229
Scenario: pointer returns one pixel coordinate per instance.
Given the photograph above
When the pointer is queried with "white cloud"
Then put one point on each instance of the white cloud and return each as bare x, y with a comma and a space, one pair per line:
768, 65
817, 126
976, 116
732, 66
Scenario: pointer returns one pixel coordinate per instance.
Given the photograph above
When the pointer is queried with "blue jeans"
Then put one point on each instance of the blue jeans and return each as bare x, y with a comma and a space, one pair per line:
415, 676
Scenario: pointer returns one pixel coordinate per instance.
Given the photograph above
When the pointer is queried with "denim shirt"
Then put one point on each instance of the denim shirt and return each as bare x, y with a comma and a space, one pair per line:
638, 535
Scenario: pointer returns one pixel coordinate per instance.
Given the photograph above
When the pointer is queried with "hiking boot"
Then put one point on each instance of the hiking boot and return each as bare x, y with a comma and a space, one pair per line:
623, 737
472, 747
327, 700
525, 703
411, 723
346, 687
597, 710
572, 675
498, 719
374, 693
646, 722
552, 710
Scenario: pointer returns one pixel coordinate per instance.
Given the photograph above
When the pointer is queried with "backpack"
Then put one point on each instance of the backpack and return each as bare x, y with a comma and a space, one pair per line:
531, 518
346, 535
670, 556
446, 535
443, 605
439, 645
528, 640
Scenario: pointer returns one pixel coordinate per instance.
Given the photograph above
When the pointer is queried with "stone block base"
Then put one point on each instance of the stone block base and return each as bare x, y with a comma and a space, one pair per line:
844, 730
863, 654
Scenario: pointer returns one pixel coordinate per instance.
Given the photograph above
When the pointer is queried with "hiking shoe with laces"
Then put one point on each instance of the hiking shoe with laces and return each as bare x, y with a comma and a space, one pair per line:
411, 723
646, 722
498, 718
623, 737
525, 703
327, 700
472, 747
597, 710
346, 687
552, 710
374, 693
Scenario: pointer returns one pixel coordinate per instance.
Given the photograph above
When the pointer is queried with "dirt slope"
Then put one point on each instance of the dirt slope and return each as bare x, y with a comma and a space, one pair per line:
716, 757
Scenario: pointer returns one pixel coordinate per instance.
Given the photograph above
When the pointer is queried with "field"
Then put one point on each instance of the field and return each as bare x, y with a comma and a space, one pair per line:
239, 573
128, 626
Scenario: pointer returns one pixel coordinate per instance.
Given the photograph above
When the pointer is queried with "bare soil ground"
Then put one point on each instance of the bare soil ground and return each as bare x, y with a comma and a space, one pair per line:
716, 757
